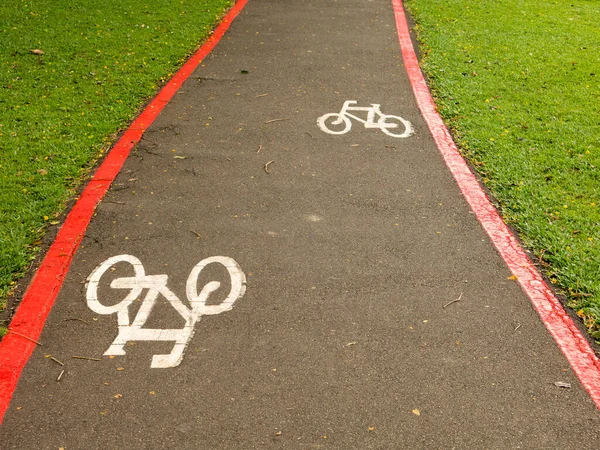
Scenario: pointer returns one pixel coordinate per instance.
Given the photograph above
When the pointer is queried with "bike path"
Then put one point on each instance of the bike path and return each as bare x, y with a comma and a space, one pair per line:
352, 247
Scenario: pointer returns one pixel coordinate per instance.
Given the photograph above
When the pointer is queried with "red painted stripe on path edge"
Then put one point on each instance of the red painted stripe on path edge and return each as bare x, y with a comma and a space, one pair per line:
28, 322
575, 347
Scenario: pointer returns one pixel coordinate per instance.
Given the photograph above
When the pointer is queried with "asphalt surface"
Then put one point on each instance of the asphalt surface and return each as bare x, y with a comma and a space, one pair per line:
351, 246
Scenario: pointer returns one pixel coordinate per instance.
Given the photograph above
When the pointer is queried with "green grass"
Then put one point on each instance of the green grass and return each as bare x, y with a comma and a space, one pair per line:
60, 110
518, 82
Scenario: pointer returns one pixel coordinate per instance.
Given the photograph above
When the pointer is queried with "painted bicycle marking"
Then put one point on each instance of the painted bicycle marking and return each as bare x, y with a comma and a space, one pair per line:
157, 285
339, 123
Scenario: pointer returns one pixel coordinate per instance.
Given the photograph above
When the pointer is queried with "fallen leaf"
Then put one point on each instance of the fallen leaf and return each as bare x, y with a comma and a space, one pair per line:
278, 433
118, 396
42, 172
416, 412
371, 428
512, 277
349, 344
37, 51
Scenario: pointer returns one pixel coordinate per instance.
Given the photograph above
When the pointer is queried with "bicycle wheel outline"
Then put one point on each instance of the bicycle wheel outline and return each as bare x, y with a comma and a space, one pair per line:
408, 127
322, 125
198, 299
94, 280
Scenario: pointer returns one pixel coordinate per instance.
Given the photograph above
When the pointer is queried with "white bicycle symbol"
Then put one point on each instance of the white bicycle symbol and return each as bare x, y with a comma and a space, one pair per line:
339, 123
157, 284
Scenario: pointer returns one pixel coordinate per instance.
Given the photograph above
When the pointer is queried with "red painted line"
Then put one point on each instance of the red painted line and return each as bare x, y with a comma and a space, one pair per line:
37, 302
573, 344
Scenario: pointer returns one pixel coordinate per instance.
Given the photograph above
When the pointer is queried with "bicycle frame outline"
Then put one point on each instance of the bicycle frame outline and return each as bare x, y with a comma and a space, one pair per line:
374, 109
157, 285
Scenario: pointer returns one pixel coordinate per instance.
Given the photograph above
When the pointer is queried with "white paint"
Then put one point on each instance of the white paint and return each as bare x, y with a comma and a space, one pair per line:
384, 122
157, 285
314, 218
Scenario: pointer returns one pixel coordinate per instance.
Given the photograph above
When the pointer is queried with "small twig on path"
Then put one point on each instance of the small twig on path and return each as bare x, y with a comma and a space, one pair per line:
261, 95
85, 357
56, 360
23, 336
309, 134
517, 327
276, 120
197, 234
453, 301
267, 166
154, 153
77, 318
60, 376
115, 202
259, 149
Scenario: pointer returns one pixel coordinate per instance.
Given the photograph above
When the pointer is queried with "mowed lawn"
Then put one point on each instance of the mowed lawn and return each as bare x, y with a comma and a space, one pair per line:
518, 82
72, 74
